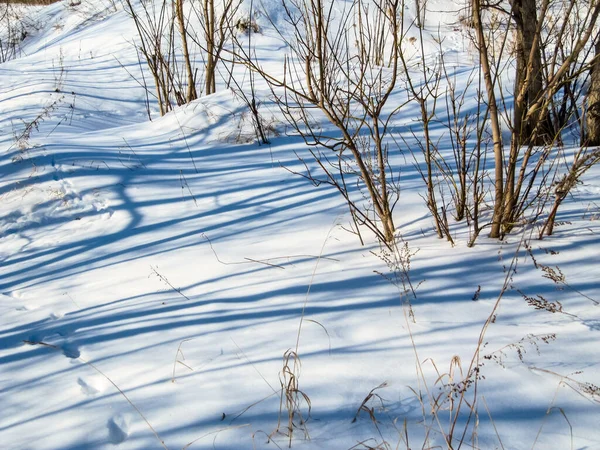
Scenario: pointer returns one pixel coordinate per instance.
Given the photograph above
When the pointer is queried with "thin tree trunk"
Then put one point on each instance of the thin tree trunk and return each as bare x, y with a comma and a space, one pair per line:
418, 5
593, 101
191, 85
528, 90
209, 17
529, 76
495, 122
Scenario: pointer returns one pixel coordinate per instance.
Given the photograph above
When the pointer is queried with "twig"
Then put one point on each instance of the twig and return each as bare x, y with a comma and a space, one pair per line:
253, 366
167, 282
492, 420
184, 182
262, 261
177, 360
266, 263
216, 431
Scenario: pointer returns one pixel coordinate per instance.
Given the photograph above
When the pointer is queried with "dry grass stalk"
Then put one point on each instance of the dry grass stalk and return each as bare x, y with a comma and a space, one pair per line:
292, 398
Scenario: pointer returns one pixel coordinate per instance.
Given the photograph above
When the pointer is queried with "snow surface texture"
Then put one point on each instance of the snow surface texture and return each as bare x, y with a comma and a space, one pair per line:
154, 273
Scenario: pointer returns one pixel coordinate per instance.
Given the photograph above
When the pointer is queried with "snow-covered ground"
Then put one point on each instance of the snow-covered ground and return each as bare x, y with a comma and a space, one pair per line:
154, 273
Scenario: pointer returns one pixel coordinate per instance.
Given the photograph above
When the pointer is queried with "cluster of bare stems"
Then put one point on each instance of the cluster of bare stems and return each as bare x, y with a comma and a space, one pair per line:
340, 90
343, 65
551, 49
177, 40
345, 61
549, 54
13, 30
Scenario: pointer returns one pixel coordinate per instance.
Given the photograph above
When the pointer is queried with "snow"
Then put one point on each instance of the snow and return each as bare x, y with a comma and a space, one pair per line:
154, 273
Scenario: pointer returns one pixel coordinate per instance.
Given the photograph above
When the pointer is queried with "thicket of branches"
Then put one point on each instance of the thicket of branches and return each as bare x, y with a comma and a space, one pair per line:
14, 28
349, 70
552, 57
343, 66
182, 42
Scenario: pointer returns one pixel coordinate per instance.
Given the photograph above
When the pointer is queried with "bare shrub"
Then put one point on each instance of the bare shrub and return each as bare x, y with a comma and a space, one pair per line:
343, 65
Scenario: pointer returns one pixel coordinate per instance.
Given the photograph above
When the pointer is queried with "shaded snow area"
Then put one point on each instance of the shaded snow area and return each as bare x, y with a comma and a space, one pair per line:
170, 283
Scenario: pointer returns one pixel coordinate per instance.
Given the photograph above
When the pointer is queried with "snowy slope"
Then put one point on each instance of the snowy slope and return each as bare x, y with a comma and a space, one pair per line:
154, 273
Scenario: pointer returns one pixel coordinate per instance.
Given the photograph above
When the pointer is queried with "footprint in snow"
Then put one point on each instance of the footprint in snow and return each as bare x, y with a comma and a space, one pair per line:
118, 429
56, 342
24, 308
90, 386
25, 305
70, 350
